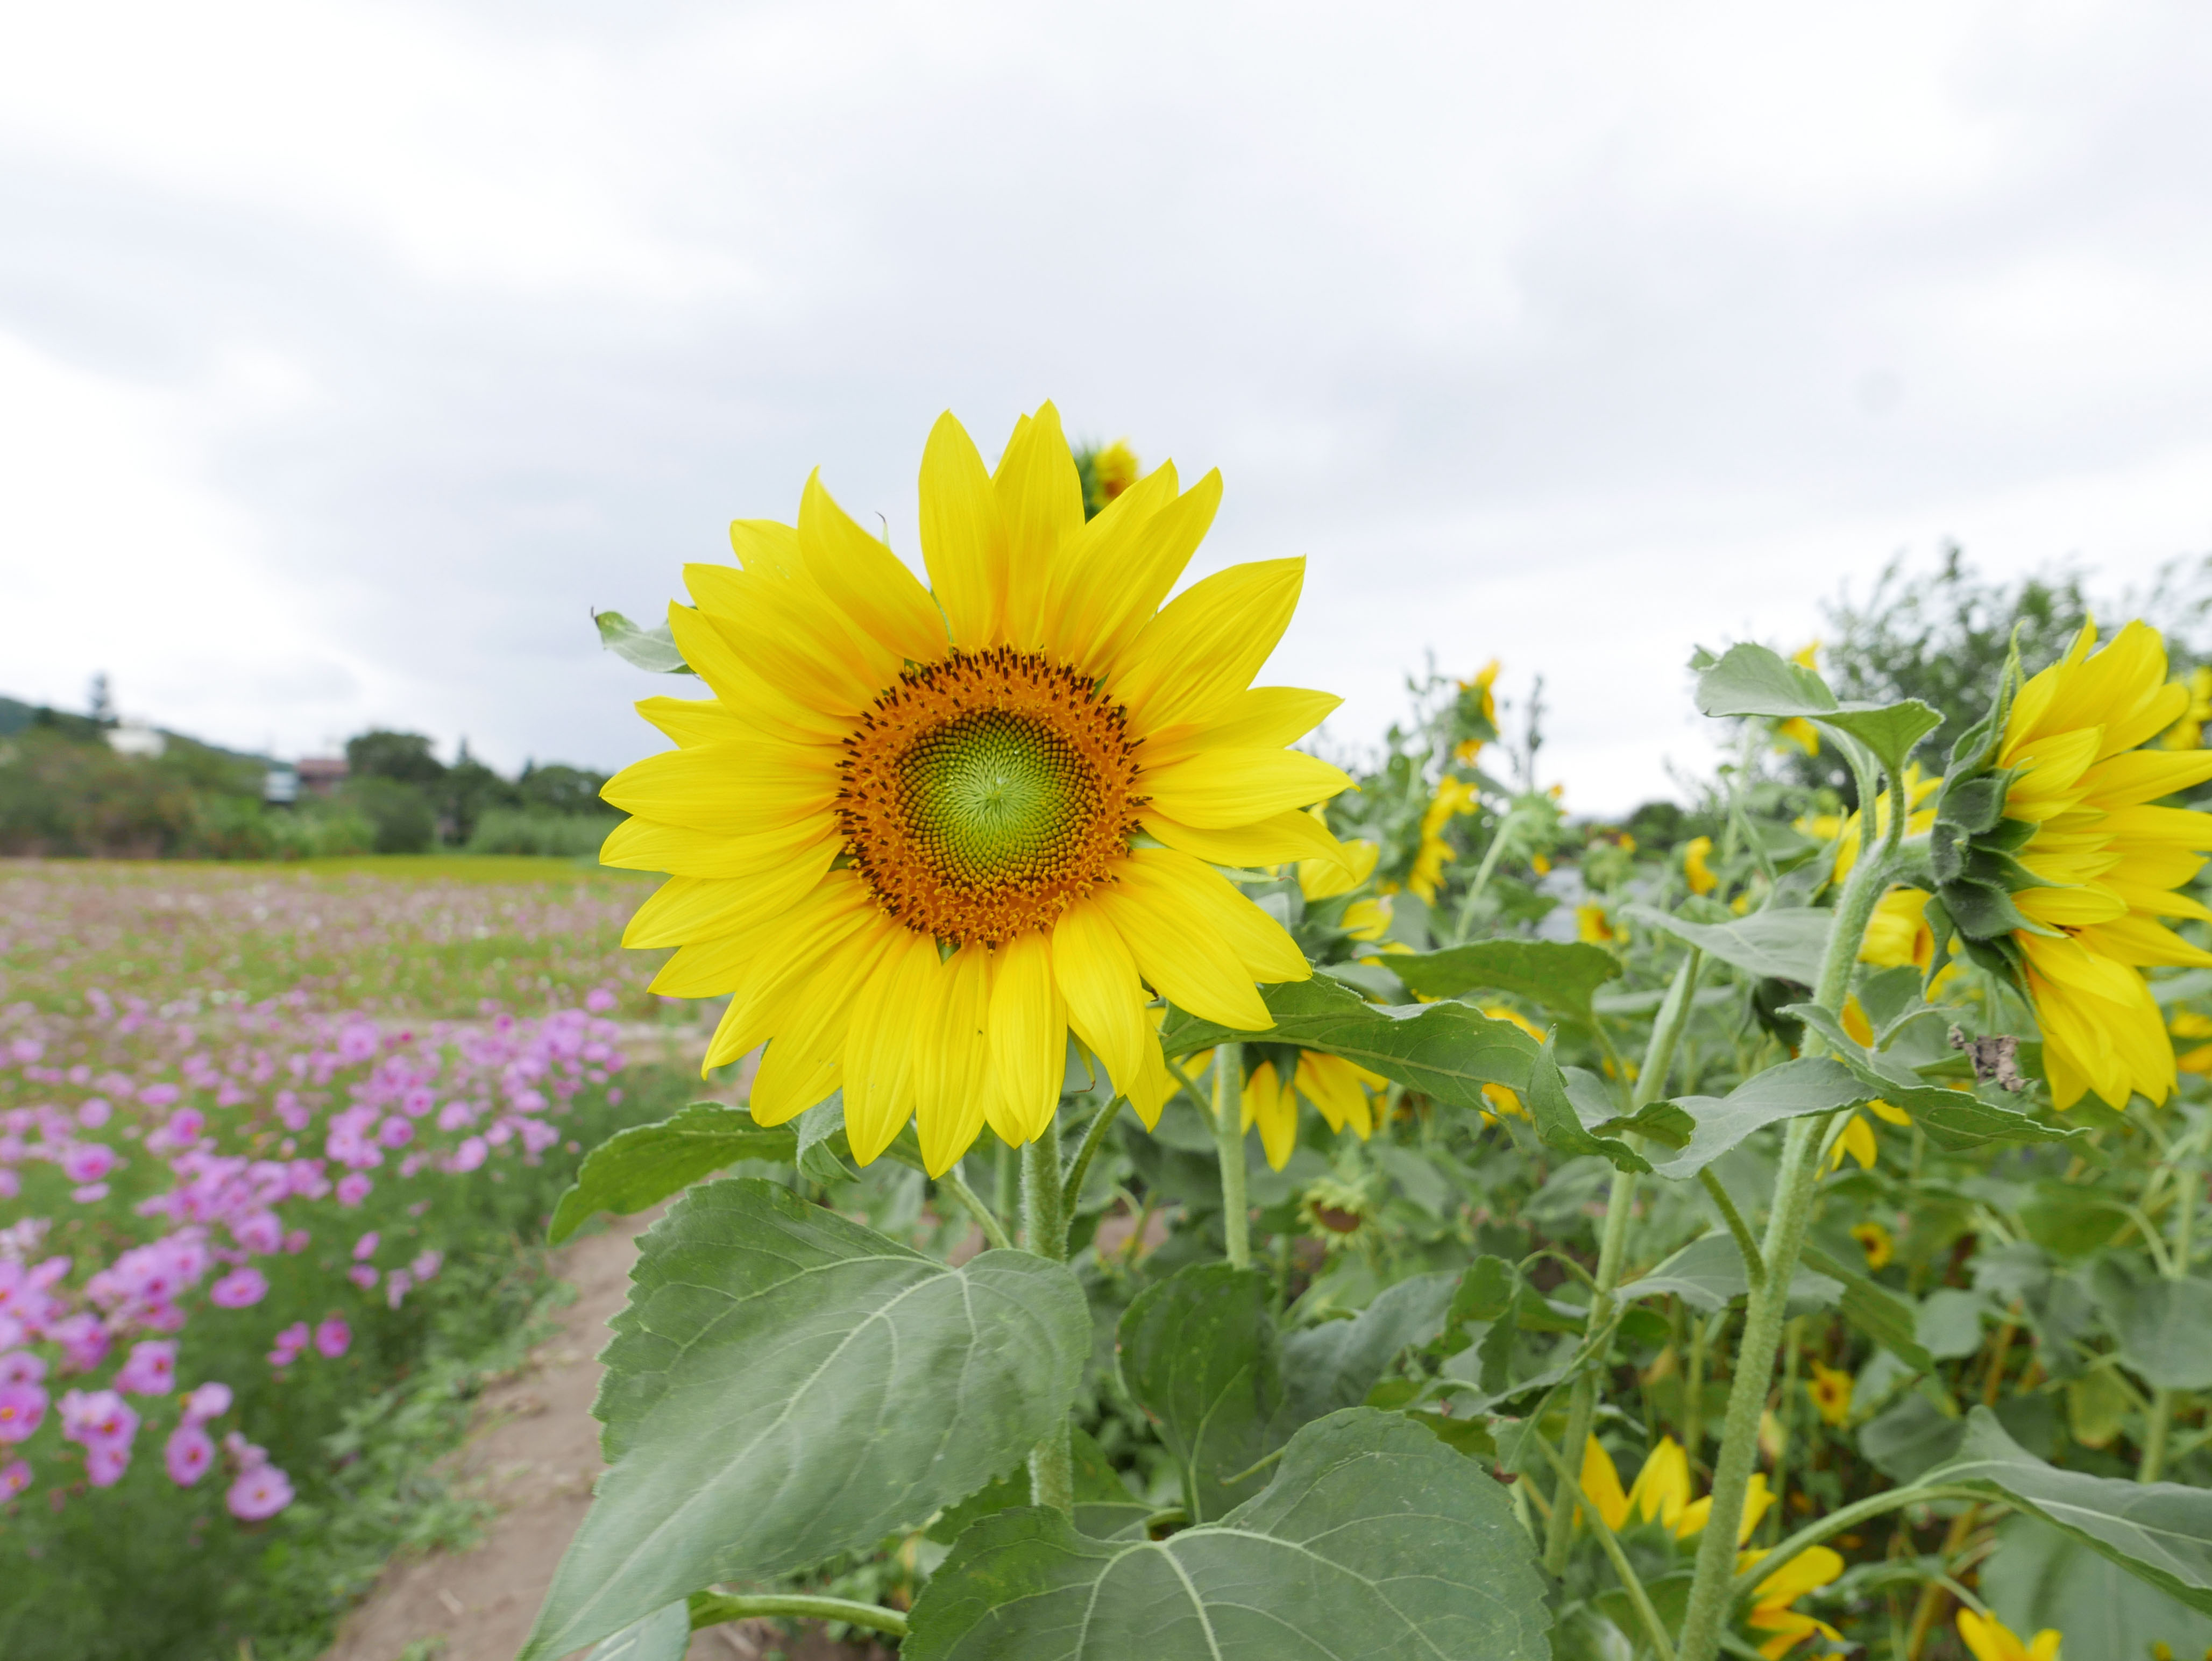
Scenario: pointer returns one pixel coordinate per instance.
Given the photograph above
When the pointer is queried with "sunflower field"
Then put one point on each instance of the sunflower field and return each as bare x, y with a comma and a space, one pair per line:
1195, 1201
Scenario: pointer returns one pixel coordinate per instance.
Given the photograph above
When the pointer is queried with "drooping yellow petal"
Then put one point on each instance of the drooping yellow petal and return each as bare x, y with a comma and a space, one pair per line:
1096, 974
954, 1059
1190, 933
1269, 1103
1602, 1484
809, 1014
963, 535
1029, 1037
695, 721
1337, 1089
892, 1020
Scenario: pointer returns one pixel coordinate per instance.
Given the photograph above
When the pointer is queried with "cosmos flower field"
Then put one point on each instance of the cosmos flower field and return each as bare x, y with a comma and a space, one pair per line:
256, 1131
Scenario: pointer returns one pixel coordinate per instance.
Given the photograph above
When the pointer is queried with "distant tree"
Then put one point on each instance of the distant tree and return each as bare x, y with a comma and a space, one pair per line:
468, 792
557, 788
401, 815
1940, 635
404, 756
100, 704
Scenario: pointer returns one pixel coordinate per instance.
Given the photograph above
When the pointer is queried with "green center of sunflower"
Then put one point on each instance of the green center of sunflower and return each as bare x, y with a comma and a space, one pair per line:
993, 797
983, 794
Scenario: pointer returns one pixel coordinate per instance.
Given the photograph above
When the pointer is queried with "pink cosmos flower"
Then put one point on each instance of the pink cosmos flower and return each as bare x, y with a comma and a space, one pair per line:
241, 1288
106, 1462
469, 1156
395, 1132
22, 1409
211, 1401
14, 1479
362, 1277
91, 1194
365, 1247
397, 1285
249, 1457
22, 1367
159, 1095
151, 1370
98, 1418
598, 1000
87, 1161
259, 1494
188, 1454
258, 1231
297, 1242
92, 1112
353, 1188
426, 1265
289, 1342
333, 1337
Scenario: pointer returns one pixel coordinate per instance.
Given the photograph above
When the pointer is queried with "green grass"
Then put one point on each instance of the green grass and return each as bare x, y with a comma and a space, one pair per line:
460, 867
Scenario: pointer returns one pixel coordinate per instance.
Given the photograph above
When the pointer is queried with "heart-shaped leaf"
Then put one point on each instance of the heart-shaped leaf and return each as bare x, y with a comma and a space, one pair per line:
1560, 975
634, 1170
1446, 1050
1779, 944
1374, 1542
1813, 1085
786, 1384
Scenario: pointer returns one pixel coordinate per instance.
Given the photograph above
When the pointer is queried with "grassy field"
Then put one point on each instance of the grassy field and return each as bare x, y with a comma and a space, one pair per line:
435, 936
227, 1044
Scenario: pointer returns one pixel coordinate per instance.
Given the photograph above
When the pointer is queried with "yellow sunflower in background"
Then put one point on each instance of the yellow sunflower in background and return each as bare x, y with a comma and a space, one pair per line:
920, 835
1989, 1639
1454, 797
2082, 789
1482, 687
1339, 1090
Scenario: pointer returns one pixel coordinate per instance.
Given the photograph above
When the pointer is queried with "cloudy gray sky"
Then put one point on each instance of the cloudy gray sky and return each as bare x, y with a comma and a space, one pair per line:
349, 352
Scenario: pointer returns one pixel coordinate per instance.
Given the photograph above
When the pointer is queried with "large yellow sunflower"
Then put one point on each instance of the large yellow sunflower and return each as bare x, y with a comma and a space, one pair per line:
2113, 861
2052, 860
918, 835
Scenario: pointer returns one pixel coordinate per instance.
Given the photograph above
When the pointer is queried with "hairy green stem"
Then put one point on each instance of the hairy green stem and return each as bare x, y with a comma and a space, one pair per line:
1071, 1185
1052, 1461
1229, 1144
1612, 1246
1754, 1269
993, 1231
712, 1609
1655, 1629
1836, 1522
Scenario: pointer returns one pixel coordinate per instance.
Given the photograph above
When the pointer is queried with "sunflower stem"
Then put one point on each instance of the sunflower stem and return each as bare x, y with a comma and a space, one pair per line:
1613, 1248
994, 1232
712, 1609
1044, 1204
1786, 1221
1573, 1500
1229, 1144
1071, 1187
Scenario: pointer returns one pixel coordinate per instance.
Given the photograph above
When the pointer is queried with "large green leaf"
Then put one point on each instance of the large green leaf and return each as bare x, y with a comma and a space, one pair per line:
2039, 1577
1374, 1542
1560, 975
1955, 1120
634, 1170
786, 1384
1200, 1353
663, 1635
2160, 1532
1752, 680
1813, 1085
1335, 1364
1105, 1507
1560, 1124
1447, 1051
2164, 1326
653, 649
1785, 944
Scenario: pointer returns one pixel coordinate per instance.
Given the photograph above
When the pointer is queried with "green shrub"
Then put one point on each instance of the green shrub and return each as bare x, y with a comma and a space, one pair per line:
509, 830
400, 815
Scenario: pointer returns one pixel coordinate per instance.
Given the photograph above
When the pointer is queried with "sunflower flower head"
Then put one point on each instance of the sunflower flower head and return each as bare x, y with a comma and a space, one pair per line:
2054, 865
1876, 1242
1474, 717
1453, 798
921, 835
1830, 1387
1770, 1601
1989, 1639
2188, 732
1340, 1091
1698, 874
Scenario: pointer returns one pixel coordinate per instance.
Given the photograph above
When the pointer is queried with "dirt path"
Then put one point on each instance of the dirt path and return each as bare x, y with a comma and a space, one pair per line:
536, 1460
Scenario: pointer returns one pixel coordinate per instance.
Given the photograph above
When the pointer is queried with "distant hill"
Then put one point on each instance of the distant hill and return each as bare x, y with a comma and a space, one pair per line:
15, 715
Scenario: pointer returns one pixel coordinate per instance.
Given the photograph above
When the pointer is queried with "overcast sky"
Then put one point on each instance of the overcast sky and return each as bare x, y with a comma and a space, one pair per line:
351, 352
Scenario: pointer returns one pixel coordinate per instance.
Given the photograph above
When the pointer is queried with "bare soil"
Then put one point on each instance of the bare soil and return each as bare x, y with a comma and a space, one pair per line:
535, 1458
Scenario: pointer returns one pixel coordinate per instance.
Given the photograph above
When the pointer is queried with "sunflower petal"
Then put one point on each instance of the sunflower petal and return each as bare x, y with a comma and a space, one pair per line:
963, 536
1040, 498
1029, 1037
1179, 950
866, 580
1207, 642
1223, 788
1096, 974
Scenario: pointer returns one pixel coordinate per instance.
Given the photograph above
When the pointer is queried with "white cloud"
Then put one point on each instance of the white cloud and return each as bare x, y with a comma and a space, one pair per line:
1572, 336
